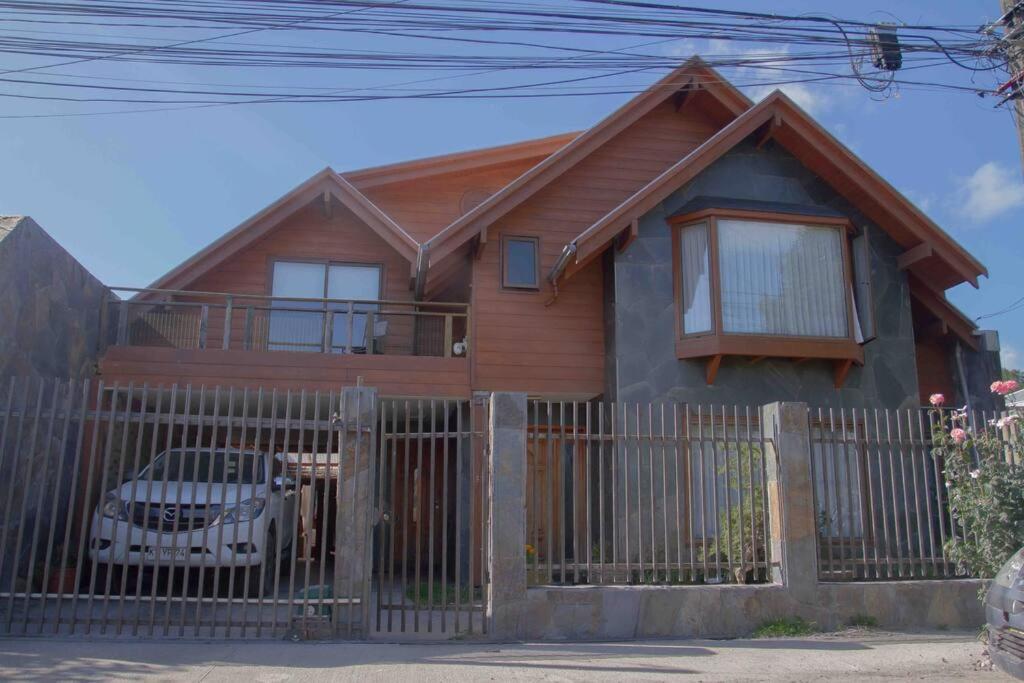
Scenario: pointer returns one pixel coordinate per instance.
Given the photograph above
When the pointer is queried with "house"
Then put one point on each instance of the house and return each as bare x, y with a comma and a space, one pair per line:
693, 246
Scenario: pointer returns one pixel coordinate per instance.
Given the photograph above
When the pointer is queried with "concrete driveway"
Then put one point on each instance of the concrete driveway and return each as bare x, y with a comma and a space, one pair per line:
864, 656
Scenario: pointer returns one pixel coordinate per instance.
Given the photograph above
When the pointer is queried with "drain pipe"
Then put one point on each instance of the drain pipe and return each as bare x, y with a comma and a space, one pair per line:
568, 251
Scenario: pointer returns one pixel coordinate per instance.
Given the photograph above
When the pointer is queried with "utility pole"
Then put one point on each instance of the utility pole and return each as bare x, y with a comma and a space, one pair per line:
1013, 43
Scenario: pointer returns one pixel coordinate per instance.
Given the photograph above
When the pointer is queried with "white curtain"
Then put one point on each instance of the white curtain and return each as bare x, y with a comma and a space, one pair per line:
696, 281
782, 279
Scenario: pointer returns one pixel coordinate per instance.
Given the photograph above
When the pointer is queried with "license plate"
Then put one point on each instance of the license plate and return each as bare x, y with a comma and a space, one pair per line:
166, 554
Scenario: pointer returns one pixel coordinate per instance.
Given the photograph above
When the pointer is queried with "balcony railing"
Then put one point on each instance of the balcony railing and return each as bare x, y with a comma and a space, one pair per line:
247, 322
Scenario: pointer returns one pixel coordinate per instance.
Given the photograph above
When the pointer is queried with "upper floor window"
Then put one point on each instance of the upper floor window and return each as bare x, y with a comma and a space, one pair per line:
764, 285
520, 262
302, 325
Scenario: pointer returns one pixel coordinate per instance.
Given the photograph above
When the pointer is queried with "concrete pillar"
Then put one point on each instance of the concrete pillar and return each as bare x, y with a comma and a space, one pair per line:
792, 516
355, 426
506, 546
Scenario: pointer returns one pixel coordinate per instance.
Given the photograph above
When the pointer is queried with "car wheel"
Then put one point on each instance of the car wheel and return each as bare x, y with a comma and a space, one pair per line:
265, 572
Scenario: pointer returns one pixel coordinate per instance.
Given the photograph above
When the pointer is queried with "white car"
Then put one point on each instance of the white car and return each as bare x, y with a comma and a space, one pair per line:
198, 508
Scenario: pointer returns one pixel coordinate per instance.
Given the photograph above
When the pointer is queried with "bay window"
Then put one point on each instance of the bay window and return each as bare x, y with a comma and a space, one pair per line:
761, 285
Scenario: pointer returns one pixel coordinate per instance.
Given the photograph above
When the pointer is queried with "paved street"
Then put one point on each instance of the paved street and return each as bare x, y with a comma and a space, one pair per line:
854, 656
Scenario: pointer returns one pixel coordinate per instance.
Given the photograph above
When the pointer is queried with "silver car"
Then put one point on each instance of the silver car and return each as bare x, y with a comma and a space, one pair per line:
198, 508
1004, 612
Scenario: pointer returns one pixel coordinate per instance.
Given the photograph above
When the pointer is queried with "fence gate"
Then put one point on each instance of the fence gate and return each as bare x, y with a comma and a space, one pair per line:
185, 511
430, 562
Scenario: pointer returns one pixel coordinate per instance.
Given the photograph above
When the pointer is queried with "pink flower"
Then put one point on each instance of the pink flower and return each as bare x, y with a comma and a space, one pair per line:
959, 435
936, 399
1003, 388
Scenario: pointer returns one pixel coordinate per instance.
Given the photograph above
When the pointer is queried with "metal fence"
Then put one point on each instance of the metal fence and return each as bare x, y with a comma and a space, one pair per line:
880, 494
623, 493
431, 542
182, 511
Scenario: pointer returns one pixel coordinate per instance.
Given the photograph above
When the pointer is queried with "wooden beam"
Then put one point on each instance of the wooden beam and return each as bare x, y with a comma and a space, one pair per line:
627, 236
711, 369
328, 205
842, 369
480, 243
684, 95
768, 130
913, 255
757, 359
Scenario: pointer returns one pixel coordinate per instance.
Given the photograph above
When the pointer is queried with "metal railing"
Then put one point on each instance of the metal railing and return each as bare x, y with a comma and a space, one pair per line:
624, 493
880, 495
183, 511
216, 320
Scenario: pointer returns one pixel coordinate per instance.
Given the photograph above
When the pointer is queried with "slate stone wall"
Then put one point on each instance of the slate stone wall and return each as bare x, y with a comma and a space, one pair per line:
49, 306
645, 365
49, 322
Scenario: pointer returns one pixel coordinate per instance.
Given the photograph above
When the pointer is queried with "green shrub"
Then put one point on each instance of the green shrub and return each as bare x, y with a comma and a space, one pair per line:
862, 621
786, 627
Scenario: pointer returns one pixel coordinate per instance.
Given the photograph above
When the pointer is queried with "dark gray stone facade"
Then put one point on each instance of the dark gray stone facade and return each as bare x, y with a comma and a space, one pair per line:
642, 360
49, 305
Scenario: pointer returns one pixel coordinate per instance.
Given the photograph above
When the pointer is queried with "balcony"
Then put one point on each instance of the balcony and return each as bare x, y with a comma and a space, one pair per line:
403, 347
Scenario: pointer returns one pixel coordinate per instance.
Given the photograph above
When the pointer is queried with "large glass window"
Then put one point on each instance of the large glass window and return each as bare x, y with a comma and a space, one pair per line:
695, 266
781, 279
300, 326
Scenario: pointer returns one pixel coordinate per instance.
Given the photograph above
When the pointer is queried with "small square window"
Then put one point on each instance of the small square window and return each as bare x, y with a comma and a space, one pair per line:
520, 263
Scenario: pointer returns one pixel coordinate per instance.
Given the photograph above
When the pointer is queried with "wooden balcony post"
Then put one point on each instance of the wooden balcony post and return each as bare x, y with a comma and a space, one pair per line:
248, 327
328, 336
350, 324
204, 323
370, 333
447, 335
226, 344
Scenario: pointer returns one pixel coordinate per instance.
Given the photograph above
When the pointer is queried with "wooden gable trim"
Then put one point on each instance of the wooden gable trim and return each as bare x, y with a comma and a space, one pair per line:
323, 184
795, 130
951, 319
539, 176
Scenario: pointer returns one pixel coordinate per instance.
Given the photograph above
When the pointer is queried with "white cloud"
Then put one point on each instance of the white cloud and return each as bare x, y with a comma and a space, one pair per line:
990, 191
1009, 357
813, 101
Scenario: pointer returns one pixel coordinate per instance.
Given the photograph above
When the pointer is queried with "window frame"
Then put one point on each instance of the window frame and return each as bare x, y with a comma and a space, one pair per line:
716, 342
272, 261
326, 263
505, 241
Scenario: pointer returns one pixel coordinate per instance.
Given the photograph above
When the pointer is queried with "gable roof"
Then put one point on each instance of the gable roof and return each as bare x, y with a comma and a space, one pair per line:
326, 182
692, 76
458, 162
941, 262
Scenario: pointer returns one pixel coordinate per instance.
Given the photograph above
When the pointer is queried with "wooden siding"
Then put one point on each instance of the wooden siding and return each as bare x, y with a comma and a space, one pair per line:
424, 206
519, 343
311, 235
392, 375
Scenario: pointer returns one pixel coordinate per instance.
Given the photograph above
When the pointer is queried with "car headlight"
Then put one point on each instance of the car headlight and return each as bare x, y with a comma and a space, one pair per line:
113, 508
1012, 573
243, 512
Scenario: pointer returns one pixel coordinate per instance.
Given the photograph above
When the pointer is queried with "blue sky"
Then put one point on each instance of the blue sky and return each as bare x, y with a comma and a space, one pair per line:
133, 195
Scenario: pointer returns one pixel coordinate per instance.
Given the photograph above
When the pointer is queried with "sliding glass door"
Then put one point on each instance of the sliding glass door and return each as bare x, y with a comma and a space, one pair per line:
302, 325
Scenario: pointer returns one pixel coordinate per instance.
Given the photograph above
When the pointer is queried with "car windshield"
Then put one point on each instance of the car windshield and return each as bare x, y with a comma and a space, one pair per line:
221, 467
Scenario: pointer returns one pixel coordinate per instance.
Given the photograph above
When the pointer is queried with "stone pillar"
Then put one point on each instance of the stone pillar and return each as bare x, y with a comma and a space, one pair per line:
792, 517
355, 424
506, 544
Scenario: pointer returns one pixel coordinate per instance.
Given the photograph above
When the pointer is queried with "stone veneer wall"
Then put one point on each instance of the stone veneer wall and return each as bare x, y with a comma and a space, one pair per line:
49, 305
49, 324
645, 366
